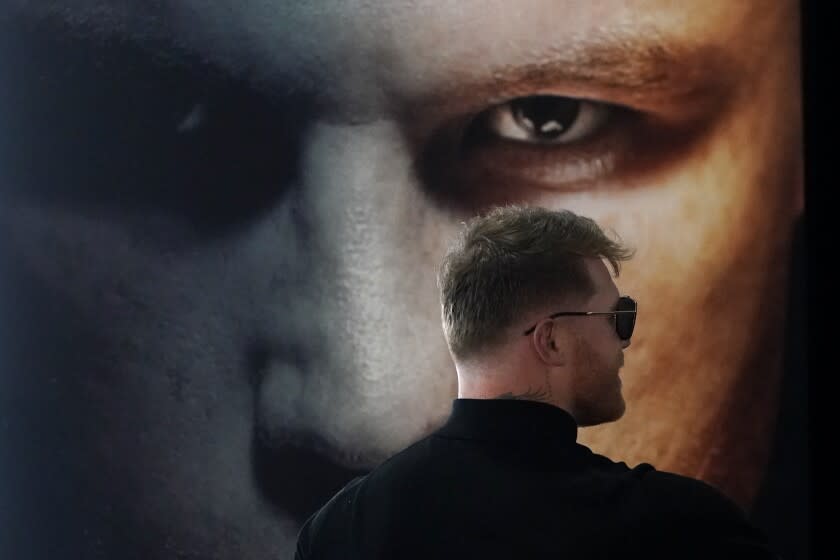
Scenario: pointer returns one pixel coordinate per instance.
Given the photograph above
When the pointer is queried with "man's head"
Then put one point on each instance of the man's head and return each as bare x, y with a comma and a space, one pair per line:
514, 265
512, 261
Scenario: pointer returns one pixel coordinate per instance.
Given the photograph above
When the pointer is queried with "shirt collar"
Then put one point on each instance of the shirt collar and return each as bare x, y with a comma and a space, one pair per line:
509, 420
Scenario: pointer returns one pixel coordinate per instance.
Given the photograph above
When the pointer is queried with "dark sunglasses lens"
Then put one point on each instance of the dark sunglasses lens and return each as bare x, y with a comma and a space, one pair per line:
625, 322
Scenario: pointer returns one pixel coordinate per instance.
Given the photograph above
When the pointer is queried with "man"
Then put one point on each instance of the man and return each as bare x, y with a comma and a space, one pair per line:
505, 473
218, 220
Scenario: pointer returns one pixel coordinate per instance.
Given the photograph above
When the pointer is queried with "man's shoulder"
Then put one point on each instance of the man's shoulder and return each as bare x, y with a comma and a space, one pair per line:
691, 515
329, 521
407, 459
339, 525
340, 501
394, 466
674, 494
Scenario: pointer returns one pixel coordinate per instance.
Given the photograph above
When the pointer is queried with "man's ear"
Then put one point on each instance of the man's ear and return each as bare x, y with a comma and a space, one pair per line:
547, 341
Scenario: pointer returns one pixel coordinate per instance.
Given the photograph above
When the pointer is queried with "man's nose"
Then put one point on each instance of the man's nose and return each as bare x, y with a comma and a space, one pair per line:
372, 240
358, 298
361, 211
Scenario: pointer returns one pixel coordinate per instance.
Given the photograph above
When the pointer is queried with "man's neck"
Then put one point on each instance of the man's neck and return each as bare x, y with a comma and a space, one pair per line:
495, 385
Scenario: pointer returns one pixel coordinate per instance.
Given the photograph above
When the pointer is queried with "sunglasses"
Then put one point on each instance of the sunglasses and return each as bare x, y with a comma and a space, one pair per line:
624, 317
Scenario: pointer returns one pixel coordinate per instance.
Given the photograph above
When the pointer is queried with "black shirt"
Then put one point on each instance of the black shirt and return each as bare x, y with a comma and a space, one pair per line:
507, 479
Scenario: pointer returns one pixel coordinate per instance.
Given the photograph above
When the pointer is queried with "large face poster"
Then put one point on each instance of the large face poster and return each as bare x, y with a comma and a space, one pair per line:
220, 223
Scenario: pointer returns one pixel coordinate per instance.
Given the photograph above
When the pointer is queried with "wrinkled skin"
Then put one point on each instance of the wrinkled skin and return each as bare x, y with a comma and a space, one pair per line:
220, 222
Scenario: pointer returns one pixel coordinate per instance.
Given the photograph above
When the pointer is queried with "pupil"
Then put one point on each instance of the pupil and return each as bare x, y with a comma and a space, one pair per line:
545, 116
